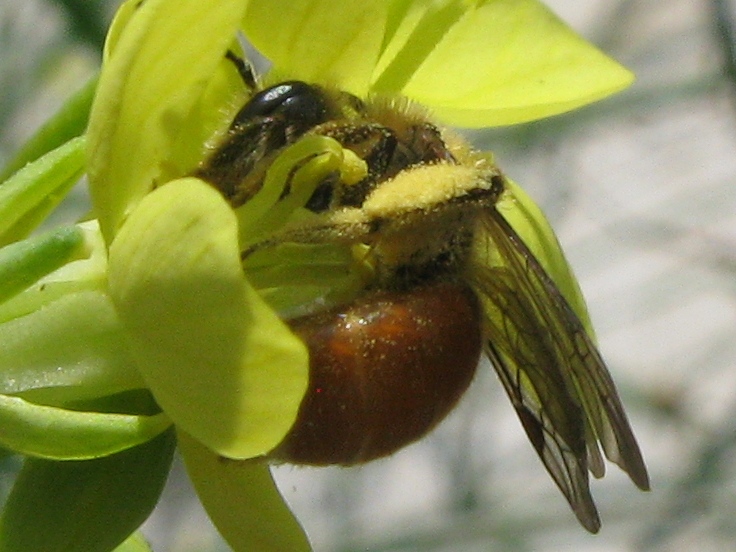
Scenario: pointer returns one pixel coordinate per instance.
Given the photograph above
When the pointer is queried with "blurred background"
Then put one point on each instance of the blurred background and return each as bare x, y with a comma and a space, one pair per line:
640, 189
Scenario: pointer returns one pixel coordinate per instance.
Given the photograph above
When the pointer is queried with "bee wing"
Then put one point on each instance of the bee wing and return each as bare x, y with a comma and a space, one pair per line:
565, 464
552, 371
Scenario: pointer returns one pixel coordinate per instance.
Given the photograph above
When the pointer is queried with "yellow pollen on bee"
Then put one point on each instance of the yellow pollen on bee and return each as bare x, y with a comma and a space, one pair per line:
423, 187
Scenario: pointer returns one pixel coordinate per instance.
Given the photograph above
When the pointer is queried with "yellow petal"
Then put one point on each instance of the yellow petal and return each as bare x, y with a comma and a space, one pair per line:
328, 41
122, 17
220, 363
243, 501
494, 62
165, 54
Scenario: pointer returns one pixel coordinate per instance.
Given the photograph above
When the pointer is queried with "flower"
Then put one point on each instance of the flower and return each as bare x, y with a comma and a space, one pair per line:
189, 324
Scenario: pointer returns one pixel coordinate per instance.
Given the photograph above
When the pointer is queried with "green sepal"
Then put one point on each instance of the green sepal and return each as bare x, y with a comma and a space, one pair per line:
85, 506
67, 123
60, 434
24, 263
33, 192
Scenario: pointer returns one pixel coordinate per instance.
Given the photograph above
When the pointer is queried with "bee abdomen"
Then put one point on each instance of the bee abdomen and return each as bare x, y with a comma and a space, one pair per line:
384, 371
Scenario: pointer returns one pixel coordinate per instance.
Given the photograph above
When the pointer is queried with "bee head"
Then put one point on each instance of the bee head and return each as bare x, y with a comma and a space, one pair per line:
299, 103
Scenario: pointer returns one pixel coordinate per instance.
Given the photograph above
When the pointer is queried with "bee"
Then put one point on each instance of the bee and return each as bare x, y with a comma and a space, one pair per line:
450, 279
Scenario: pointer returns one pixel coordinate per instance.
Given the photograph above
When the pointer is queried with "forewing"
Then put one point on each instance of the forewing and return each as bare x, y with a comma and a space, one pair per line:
553, 419
551, 369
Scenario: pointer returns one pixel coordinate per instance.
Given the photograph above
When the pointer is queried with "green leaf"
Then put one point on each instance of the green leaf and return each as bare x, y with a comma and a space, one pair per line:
243, 501
24, 263
29, 195
218, 360
85, 506
69, 122
493, 62
61, 434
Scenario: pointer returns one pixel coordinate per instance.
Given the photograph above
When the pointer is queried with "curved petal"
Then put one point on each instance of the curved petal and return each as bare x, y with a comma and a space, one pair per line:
220, 363
123, 15
494, 62
243, 501
164, 57
328, 41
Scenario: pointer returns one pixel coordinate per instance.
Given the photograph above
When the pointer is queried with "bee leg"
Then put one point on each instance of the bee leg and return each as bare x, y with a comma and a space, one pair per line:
245, 70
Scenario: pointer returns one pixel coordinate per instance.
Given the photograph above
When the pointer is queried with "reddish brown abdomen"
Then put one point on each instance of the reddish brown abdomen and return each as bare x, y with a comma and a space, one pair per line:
384, 370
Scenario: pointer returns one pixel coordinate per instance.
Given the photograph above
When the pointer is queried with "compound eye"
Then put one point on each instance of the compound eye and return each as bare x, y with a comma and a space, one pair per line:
295, 101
